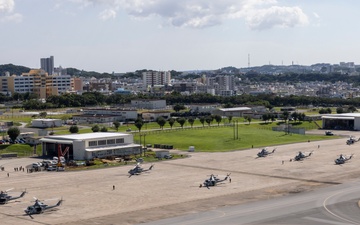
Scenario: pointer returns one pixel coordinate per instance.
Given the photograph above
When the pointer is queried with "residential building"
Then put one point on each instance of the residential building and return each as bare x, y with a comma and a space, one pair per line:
151, 78
47, 64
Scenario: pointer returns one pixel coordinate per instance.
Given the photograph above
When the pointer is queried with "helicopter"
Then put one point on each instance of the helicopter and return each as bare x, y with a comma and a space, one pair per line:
351, 140
301, 156
40, 207
4, 197
213, 180
342, 159
137, 170
264, 152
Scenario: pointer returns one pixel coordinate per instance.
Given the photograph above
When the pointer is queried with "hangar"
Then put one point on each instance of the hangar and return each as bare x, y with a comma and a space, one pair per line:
90, 145
344, 121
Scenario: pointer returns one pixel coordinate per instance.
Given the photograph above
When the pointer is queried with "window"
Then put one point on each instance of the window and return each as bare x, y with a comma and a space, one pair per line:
120, 140
102, 142
111, 141
92, 143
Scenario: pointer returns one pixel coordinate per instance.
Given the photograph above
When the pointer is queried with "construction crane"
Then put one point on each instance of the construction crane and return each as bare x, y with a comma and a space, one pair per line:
61, 154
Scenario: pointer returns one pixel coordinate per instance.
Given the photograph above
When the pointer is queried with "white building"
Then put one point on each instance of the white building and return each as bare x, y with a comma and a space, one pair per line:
235, 112
62, 82
46, 123
91, 145
344, 121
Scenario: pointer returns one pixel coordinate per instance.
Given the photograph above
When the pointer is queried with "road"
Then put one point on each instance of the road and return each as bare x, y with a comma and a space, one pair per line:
332, 205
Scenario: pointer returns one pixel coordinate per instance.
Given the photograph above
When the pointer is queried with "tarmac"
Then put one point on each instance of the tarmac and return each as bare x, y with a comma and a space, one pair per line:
109, 196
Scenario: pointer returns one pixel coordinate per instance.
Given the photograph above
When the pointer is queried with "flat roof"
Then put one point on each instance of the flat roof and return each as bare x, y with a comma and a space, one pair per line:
86, 136
235, 109
111, 147
46, 120
338, 117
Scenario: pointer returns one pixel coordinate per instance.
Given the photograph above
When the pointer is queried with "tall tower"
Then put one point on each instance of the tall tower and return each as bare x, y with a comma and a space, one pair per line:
47, 64
248, 60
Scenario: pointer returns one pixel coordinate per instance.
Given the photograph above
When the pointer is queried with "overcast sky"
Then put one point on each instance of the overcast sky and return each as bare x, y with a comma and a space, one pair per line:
129, 35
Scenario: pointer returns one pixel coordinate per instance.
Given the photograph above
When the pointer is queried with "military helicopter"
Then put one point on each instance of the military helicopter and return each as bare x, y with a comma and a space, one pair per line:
342, 159
137, 170
351, 140
213, 180
301, 156
264, 152
40, 207
4, 197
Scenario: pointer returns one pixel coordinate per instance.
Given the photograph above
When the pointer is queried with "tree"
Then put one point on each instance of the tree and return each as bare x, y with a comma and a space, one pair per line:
116, 125
74, 129
208, 120
181, 121
43, 114
202, 120
339, 110
191, 120
139, 123
13, 133
295, 116
351, 109
285, 115
230, 118
104, 129
178, 107
218, 119
328, 110
171, 122
265, 117
248, 119
95, 128
161, 121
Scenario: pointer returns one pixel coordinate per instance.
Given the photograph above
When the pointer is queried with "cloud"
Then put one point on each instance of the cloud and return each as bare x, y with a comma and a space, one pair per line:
16, 17
257, 14
107, 14
276, 16
6, 12
7, 6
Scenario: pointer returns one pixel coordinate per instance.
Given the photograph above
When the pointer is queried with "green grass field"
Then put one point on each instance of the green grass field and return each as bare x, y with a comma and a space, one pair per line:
23, 150
221, 139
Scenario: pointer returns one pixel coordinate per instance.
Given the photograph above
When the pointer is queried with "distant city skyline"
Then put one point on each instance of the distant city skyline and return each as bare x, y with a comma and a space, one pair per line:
126, 35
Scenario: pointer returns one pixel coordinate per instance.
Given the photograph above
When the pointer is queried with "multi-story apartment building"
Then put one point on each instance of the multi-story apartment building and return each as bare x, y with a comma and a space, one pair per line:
77, 84
151, 78
17, 84
63, 82
47, 64
36, 81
